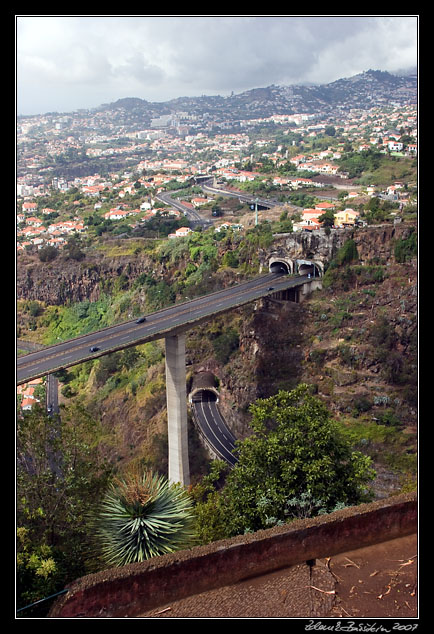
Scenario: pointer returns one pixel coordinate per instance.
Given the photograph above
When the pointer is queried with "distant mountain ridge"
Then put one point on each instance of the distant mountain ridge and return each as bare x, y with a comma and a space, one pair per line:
368, 89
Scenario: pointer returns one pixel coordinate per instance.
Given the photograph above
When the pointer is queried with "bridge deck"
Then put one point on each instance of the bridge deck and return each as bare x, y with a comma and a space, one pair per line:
157, 325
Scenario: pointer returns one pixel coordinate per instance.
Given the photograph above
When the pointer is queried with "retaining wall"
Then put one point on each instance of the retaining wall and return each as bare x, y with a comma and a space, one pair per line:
138, 588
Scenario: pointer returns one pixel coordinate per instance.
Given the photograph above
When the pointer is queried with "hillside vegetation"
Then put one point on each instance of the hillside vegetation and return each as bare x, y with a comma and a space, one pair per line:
353, 344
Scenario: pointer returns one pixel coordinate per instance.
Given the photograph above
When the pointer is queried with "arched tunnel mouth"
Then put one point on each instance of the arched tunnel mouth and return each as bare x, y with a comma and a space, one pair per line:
309, 268
204, 396
279, 266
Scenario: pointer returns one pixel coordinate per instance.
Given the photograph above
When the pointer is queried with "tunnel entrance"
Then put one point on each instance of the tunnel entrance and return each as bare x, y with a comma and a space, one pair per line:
280, 266
203, 388
307, 267
204, 396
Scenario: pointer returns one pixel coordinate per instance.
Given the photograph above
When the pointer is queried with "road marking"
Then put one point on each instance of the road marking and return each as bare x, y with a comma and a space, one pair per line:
249, 291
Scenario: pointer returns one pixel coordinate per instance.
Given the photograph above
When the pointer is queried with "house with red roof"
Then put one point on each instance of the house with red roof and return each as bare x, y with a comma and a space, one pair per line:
309, 224
34, 222
411, 149
27, 404
198, 201
182, 232
310, 214
29, 207
325, 206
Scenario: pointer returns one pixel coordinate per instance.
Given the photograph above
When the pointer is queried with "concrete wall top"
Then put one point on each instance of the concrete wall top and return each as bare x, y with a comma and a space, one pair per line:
139, 587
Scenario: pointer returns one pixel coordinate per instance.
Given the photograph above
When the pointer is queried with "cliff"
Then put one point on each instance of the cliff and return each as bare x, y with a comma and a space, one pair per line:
69, 281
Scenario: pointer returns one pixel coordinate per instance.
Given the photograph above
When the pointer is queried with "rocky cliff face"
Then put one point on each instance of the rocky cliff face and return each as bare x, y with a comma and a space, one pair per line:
373, 244
270, 358
68, 281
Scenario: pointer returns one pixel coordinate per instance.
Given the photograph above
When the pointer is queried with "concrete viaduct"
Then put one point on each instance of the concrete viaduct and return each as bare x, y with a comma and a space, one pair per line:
291, 279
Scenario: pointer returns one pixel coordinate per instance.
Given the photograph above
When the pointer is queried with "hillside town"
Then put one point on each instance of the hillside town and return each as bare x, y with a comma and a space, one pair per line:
172, 157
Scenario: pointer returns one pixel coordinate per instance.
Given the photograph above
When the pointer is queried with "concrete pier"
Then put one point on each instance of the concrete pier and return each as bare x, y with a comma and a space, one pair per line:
176, 392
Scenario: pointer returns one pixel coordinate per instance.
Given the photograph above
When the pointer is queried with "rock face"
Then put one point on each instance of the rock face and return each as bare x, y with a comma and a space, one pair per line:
317, 245
66, 282
270, 358
373, 243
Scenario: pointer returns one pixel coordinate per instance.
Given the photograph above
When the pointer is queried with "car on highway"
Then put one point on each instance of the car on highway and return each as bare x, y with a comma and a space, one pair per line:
93, 349
140, 320
270, 288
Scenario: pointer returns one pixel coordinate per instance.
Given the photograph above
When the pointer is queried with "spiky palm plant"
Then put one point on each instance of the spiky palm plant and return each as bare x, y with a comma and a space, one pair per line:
143, 516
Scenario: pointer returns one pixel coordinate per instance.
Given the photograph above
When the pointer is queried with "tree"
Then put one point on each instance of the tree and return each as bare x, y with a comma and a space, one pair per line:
296, 455
72, 249
327, 218
60, 477
37, 573
347, 253
406, 248
143, 516
230, 258
210, 512
47, 253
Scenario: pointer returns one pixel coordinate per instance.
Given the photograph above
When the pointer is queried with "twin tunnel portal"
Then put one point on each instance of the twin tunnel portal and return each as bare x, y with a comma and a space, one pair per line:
287, 279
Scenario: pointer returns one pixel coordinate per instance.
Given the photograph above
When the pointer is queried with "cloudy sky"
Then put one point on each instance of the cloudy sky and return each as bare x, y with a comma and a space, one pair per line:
68, 62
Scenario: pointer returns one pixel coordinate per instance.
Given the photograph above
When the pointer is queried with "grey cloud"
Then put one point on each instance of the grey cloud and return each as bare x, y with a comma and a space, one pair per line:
163, 57
139, 69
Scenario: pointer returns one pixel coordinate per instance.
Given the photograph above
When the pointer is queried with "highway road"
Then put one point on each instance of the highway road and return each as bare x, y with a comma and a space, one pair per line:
214, 428
156, 326
243, 197
194, 217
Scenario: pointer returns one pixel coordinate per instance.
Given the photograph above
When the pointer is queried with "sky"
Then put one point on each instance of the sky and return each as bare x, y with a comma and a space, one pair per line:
64, 63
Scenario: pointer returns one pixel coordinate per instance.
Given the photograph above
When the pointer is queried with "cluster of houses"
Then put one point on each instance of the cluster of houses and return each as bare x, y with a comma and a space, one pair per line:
34, 230
26, 393
35, 233
183, 232
310, 217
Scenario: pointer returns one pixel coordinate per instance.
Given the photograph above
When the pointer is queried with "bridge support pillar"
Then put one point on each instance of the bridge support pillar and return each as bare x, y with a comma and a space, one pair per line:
307, 288
176, 394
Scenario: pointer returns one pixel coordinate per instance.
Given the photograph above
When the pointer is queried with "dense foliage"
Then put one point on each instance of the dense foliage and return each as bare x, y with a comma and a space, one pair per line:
407, 248
60, 476
297, 458
355, 163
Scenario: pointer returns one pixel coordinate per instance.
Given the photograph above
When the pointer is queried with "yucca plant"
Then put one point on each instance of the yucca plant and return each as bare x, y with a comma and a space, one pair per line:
143, 516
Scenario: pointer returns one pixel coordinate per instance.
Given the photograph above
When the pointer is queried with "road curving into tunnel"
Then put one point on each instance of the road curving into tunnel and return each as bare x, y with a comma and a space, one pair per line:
212, 426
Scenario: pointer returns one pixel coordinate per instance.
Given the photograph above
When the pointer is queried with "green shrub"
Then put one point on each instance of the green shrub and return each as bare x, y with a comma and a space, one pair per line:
347, 253
405, 249
318, 356
225, 344
361, 404
389, 418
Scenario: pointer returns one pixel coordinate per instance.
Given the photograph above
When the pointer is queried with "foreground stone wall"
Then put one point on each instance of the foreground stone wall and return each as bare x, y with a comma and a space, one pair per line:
137, 588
